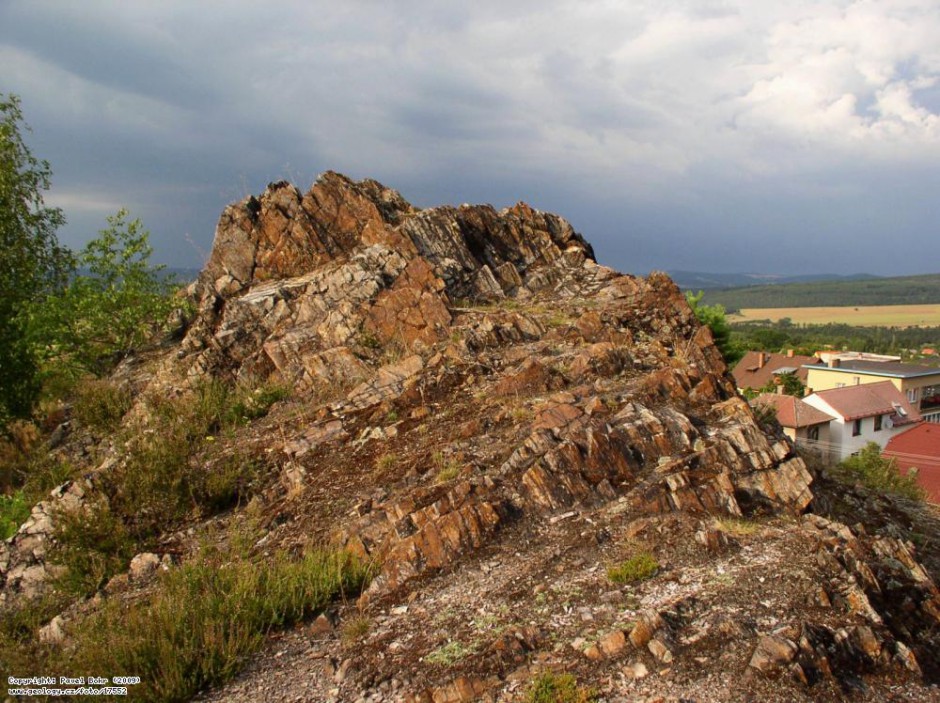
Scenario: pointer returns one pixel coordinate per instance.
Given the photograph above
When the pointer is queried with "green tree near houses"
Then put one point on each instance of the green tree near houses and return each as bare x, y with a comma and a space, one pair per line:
33, 265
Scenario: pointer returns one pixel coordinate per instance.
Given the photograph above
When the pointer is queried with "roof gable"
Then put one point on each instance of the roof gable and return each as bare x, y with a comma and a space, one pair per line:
749, 372
869, 399
791, 411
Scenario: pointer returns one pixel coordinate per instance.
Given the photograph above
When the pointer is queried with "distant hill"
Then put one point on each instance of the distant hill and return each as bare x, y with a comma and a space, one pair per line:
903, 290
699, 280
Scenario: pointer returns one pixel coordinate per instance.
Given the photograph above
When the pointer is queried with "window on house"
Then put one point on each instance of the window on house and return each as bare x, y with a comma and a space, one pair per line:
840, 385
856, 380
912, 395
813, 433
877, 422
857, 428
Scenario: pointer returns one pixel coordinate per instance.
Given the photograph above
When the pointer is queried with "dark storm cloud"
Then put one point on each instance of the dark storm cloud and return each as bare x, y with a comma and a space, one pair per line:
715, 136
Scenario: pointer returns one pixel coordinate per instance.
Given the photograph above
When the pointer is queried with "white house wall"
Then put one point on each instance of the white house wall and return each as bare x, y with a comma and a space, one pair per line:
841, 442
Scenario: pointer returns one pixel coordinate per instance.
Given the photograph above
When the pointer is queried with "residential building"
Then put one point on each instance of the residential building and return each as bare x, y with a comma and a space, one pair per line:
868, 412
919, 448
800, 421
827, 355
758, 368
919, 384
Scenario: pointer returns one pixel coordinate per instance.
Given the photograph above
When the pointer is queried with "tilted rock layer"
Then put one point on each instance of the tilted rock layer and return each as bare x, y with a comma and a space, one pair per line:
494, 418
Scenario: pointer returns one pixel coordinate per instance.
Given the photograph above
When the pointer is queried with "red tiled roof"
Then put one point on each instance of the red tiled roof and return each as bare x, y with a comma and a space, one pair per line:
868, 399
919, 447
748, 373
791, 411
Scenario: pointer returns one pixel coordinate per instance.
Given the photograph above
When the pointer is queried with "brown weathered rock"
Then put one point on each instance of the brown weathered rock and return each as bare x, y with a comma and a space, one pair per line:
645, 628
773, 654
613, 643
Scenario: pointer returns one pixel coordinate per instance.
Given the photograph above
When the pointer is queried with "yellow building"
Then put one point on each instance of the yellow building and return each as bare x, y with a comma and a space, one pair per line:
920, 384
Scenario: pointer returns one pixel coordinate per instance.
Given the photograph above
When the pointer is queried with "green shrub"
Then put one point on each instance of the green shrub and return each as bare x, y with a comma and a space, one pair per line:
206, 617
355, 629
100, 404
255, 403
879, 473
637, 568
115, 302
151, 488
92, 544
225, 482
558, 688
14, 509
20, 651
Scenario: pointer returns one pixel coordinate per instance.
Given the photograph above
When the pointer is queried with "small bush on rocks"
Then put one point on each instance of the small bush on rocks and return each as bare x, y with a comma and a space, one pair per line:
14, 509
100, 404
558, 688
637, 568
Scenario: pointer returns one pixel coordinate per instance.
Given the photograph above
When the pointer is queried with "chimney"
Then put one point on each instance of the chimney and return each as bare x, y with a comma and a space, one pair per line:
761, 359
834, 362
779, 389
789, 353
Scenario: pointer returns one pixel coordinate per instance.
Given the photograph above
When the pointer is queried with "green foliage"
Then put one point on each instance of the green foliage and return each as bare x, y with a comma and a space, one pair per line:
790, 382
355, 629
449, 654
879, 473
19, 624
116, 302
805, 339
14, 509
171, 467
558, 688
257, 402
34, 264
92, 544
639, 567
713, 316
205, 618
100, 404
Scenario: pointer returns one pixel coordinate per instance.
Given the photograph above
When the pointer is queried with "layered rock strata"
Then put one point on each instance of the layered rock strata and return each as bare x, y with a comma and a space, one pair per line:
466, 379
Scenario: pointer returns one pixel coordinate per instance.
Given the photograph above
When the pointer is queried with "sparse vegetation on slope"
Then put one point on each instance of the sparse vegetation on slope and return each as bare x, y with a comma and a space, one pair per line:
201, 620
558, 688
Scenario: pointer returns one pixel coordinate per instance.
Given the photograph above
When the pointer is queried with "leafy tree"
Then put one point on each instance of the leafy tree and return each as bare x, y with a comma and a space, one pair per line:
113, 305
881, 473
32, 262
714, 317
792, 385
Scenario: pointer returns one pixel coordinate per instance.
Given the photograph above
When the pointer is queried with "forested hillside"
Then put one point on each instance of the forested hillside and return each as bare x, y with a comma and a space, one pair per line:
904, 290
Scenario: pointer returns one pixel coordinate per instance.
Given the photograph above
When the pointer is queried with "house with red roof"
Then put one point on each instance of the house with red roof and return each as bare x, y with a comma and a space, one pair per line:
919, 448
868, 412
800, 421
758, 368
921, 384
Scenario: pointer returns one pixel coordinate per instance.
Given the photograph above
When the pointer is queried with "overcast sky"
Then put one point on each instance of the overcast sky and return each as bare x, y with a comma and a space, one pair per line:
746, 135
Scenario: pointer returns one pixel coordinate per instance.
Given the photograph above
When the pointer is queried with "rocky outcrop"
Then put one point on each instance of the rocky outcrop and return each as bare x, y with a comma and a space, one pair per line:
491, 417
